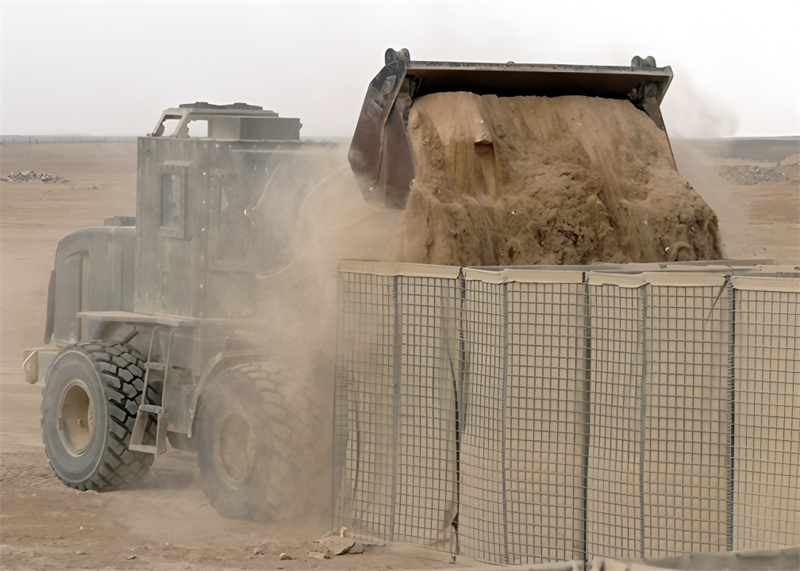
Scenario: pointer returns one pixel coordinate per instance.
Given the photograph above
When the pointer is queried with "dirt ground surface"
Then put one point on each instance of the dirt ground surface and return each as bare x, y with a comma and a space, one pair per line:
167, 522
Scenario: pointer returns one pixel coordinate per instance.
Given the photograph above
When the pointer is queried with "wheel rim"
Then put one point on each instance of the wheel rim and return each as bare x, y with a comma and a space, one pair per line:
76, 417
237, 448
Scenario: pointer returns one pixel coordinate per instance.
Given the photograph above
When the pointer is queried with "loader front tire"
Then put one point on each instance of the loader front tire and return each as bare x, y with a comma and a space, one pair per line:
255, 445
89, 405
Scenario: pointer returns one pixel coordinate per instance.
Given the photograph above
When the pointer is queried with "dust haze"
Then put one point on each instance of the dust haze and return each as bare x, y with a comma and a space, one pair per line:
293, 215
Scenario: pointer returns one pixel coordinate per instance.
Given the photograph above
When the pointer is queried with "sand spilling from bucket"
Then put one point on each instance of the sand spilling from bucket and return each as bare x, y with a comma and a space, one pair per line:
536, 180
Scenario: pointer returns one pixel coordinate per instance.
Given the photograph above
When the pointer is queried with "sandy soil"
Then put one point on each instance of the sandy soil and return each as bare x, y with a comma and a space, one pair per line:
547, 180
167, 523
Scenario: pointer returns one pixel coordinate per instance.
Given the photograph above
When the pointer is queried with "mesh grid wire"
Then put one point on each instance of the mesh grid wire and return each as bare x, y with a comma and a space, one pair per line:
685, 455
396, 399
364, 434
425, 494
766, 431
546, 420
481, 518
613, 515
559, 421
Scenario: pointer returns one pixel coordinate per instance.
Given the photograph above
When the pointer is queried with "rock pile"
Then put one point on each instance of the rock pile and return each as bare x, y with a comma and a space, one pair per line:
787, 170
32, 176
748, 174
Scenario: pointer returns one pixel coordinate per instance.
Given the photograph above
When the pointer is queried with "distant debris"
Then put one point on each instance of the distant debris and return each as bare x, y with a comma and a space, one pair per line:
50, 139
748, 174
33, 176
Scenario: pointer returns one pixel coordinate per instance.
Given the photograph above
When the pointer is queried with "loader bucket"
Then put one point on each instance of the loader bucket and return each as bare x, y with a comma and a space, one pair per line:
380, 152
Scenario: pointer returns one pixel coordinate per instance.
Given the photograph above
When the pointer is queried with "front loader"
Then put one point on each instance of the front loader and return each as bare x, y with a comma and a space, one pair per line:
168, 328
171, 327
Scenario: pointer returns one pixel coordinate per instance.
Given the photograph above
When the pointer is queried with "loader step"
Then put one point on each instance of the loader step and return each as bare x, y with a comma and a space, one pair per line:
152, 408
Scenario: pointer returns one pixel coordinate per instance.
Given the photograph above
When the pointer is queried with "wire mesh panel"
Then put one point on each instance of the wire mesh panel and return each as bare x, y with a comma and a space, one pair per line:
395, 427
686, 421
481, 518
364, 430
766, 395
425, 418
614, 515
546, 418
521, 416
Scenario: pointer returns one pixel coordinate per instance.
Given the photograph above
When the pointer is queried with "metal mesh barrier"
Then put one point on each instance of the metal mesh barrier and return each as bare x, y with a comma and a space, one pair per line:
687, 423
395, 408
547, 403
765, 406
614, 515
530, 416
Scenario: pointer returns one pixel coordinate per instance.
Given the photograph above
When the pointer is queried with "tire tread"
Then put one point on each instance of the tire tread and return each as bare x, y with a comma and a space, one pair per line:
120, 369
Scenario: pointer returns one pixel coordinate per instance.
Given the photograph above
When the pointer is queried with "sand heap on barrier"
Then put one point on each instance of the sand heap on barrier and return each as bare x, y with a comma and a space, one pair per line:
537, 180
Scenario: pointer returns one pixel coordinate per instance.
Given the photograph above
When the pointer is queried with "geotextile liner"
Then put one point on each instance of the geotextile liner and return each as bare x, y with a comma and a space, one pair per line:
538, 180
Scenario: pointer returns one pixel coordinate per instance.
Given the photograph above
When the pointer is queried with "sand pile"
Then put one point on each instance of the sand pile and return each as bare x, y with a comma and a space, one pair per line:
536, 180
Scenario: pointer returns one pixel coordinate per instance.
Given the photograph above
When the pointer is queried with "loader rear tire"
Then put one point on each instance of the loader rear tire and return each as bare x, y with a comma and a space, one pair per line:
89, 405
256, 445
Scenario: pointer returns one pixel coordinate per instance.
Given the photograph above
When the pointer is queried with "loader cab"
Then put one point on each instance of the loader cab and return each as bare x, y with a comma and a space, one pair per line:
235, 122
216, 186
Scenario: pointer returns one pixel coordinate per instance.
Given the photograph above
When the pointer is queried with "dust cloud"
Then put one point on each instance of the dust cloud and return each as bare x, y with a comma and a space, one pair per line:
323, 224
299, 214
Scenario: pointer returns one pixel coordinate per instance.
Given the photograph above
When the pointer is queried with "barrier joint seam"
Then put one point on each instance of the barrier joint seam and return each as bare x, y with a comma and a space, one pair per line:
504, 413
643, 416
460, 405
731, 412
396, 370
586, 419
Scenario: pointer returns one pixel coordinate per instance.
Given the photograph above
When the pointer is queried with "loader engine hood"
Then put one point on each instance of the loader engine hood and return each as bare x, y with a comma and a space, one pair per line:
380, 152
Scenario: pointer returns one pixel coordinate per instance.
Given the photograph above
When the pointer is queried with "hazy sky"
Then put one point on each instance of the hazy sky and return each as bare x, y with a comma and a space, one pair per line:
110, 68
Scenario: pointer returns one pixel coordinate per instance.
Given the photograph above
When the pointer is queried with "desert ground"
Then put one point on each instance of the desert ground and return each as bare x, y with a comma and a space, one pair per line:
167, 522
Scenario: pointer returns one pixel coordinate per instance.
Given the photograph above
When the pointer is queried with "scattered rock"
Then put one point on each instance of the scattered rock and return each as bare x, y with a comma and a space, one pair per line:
131, 557
338, 545
320, 555
285, 557
259, 550
33, 176
748, 174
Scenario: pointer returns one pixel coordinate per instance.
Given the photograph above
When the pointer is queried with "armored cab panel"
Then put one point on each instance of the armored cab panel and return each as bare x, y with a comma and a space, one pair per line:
216, 214
171, 239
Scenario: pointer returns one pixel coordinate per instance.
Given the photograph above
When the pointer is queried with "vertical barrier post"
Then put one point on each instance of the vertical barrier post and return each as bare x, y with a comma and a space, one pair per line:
461, 409
731, 408
396, 372
503, 429
586, 418
643, 417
